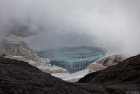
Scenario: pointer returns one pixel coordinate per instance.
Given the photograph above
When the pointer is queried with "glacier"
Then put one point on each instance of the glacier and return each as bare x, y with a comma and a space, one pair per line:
73, 58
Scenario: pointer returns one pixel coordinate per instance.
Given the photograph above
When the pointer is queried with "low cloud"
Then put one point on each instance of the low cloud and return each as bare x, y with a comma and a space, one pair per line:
111, 24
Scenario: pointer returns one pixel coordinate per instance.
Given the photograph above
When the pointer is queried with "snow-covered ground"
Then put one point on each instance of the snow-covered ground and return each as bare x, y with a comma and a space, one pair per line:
73, 76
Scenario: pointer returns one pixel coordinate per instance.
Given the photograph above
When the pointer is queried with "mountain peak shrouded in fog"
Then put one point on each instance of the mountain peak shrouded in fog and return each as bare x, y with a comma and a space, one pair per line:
110, 24
21, 30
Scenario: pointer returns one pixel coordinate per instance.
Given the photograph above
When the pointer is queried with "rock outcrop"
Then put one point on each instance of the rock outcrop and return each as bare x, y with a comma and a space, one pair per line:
111, 60
96, 67
8, 48
105, 62
20, 51
52, 69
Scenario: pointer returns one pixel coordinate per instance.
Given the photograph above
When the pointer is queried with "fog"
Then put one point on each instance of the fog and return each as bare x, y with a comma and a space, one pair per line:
110, 24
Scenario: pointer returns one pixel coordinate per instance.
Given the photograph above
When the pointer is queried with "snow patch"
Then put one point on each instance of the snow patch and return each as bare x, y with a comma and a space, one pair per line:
68, 76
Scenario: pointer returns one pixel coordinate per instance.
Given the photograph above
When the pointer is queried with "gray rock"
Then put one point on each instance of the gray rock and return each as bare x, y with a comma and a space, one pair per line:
111, 60
8, 48
95, 67
105, 62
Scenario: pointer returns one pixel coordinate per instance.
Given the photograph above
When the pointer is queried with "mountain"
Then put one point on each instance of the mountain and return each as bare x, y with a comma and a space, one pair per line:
12, 48
111, 60
118, 79
17, 77
105, 62
20, 51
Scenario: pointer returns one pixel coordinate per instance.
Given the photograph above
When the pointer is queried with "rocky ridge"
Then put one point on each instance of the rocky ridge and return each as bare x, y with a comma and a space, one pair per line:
10, 48
105, 62
20, 51
18, 77
118, 79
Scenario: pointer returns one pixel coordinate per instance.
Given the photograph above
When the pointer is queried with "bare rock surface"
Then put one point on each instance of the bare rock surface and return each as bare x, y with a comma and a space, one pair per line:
105, 62
8, 48
111, 60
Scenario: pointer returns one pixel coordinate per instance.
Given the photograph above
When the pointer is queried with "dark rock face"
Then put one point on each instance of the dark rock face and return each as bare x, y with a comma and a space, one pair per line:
18, 77
123, 77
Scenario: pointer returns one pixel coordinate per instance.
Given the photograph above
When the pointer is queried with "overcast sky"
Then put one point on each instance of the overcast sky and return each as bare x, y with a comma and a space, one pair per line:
111, 24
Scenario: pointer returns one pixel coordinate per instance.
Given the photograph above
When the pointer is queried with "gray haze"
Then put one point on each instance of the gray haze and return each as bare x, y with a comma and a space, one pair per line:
111, 24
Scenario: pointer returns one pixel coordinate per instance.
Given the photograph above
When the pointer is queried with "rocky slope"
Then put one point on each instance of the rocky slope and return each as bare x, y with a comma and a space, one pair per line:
118, 79
111, 60
20, 51
17, 77
105, 62
8, 48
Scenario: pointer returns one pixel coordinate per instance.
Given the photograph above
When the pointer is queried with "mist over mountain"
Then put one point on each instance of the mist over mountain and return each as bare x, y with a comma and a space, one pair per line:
110, 24
69, 39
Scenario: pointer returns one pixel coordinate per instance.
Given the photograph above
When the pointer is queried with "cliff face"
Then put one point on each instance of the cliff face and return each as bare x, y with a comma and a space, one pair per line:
8, 48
